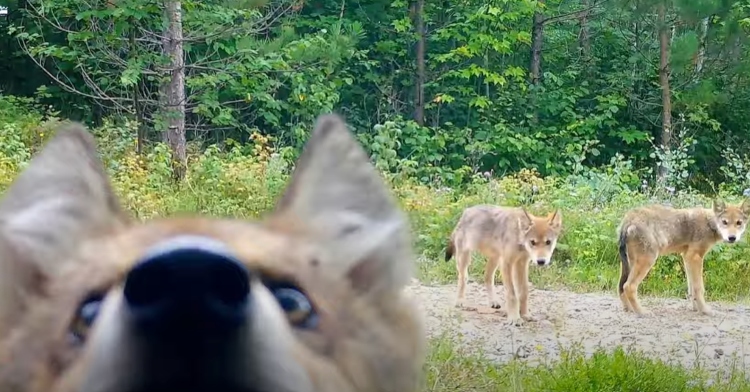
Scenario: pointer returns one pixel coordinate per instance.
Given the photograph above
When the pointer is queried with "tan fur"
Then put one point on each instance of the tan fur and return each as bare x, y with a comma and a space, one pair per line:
652, 231
510, 239
336, 233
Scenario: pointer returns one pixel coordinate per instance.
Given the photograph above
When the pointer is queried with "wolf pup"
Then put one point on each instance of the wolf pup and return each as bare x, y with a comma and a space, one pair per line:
651, 231
510, 239
310, 299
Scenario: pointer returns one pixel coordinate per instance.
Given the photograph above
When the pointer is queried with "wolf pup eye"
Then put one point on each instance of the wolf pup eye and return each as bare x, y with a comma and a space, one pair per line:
548, 242
299, 310
533, 242
724, 222
739, 223
85, 316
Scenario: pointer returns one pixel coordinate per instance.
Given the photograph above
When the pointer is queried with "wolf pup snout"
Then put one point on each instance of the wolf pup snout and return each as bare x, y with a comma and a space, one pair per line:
189, 284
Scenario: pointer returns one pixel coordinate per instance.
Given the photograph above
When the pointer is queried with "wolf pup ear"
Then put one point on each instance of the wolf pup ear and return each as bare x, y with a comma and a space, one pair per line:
59, 199
62, 196
719, 206
525, 221
745, 207
344, 204
555, 219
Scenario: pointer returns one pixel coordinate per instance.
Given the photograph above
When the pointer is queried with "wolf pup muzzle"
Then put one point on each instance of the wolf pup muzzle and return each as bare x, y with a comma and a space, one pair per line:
188, 285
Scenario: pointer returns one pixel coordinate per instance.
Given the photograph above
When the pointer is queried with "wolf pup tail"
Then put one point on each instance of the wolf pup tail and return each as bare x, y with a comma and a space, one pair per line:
450, 249
625, 271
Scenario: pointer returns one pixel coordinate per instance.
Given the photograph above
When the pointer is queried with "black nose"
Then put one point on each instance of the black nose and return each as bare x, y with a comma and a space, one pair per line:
732, 238
540, 261
188, 283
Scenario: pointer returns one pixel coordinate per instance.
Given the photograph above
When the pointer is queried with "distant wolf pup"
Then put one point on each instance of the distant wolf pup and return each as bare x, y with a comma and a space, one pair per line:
310, 299
655, 230
510, 238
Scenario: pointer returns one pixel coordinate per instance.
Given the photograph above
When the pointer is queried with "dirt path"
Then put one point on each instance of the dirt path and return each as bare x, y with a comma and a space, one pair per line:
673, 332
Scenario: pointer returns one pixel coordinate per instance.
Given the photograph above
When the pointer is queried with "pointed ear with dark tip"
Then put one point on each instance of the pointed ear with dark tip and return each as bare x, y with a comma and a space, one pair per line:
555, 220
339, 197
745, 207
59, 199
525, 222
526, 213
719, 206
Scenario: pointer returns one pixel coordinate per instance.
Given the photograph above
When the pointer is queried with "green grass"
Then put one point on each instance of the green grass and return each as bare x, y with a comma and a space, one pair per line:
452, 366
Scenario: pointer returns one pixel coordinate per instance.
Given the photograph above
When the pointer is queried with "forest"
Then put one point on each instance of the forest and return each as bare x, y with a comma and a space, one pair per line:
588, 106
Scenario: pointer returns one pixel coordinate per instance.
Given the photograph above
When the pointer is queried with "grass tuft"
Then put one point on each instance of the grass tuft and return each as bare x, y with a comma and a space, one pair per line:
453, 365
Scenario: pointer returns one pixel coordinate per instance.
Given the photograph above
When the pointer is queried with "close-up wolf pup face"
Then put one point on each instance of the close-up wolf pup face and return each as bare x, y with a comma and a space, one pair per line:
308, 299
730, 219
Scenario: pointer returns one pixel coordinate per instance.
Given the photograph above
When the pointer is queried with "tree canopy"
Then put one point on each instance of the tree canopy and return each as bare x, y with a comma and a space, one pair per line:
438, 90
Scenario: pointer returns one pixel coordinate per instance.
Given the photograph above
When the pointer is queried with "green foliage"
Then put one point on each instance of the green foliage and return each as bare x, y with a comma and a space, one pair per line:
737, 170
114, 56
22, 130
271, 68
452, 367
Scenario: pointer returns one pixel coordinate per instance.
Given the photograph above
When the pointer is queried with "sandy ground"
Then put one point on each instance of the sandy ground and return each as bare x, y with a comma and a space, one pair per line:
673, 332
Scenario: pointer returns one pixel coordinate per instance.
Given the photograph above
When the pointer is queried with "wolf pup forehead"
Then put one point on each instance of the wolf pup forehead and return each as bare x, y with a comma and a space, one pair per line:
309, 299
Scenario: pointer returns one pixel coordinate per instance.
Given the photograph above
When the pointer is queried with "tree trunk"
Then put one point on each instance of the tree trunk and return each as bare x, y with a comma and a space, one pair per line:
419, 85
584, 40
535, 65
537, 38
701, 58
173, 92
636, 43
736, 51
140, 118
137, 106
666, 96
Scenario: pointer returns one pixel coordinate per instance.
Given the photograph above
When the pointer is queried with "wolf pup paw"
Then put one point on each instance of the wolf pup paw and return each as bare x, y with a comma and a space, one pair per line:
528, 318
515, 322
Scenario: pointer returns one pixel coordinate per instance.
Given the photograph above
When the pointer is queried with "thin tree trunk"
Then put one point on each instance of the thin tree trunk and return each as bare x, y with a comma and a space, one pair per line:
140, 118
419, 86
535, 64
486, 66
584, 41
636, 43
137, 106
736, 51
700, 61
537, 38
664, 47
173, 92
672, 34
